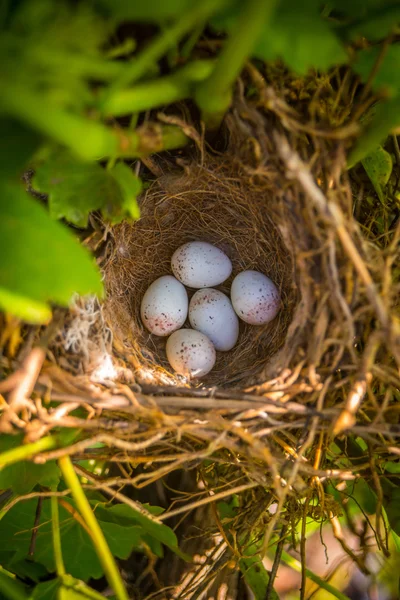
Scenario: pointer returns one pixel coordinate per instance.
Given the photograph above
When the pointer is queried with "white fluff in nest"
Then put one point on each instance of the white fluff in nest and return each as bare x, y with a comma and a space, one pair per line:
88, 336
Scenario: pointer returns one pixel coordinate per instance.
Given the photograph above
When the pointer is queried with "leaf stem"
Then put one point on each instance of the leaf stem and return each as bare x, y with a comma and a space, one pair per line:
159, 92
295, 564
10, 587
214, 95
89, 139
169, 37
55, 528
100, 544
25, 451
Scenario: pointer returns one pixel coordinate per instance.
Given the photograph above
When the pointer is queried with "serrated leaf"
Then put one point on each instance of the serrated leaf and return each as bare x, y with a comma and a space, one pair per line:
378, 165
22, 477
41, 261
76, 188
18, 143
79, 555
386, 77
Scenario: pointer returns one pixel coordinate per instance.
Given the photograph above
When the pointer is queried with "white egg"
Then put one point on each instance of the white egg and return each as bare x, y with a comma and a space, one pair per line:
164, 306
200, 264
255, 297
211, 312
190, 353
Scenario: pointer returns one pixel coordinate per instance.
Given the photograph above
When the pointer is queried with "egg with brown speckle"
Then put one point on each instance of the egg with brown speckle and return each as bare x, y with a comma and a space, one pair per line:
255, 297
211, 312
164, 306
200, 265
190, 353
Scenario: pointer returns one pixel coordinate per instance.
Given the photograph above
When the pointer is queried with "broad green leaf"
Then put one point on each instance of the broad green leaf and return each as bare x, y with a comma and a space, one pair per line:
386, 77
301, 37
374, 24
41, 261
76, 187
378, 165
256, 575
385, 119
392, 467
79, 555
24, 569
48, 590
297, 34
124, 514
392, 507
18, 143
23, 476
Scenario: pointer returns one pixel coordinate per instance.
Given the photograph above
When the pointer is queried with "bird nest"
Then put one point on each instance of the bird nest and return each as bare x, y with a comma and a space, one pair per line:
278, 199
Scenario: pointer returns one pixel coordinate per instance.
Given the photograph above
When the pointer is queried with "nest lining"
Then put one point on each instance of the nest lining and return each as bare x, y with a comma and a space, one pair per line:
216, 202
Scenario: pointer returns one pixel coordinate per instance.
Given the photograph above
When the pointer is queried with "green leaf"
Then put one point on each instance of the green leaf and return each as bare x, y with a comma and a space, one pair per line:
392, 507
18, 143
378, 165
11, 588
130, 187
376, 24
386, 118
386, 77
23, 476
124, 514
79, 555
41, 261
392, 467
77, 187
301, 37
256, 575
146, 10
297, 34
65, 588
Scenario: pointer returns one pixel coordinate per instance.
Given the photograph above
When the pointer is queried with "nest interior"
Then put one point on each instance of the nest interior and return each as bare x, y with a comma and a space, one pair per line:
217, 199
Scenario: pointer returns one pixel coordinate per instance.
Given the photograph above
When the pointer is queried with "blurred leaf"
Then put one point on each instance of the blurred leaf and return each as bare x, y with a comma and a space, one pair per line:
385, 119
386, 77
23, 476
392, 507
301, 37
64, 588
145, 10
378, 165
373, 24
77, 187
256, 575
18, 143
41, 261
130, 187
296, 33
392, 467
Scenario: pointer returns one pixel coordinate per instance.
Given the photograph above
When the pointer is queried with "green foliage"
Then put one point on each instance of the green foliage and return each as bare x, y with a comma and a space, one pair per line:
31, 276
76, 188
125, 530
378, 166
255, 574
18, 143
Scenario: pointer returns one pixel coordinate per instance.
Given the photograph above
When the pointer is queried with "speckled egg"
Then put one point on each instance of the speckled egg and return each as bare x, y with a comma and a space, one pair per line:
190, 353
164, 306
200, 264
211, 312
255, 297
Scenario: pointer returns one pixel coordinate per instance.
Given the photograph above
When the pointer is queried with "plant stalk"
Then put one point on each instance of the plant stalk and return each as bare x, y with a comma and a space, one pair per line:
214, 95
26, 451
55, 528
100, 544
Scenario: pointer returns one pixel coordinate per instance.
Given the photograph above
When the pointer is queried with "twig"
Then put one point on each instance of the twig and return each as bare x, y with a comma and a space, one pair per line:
35, 528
